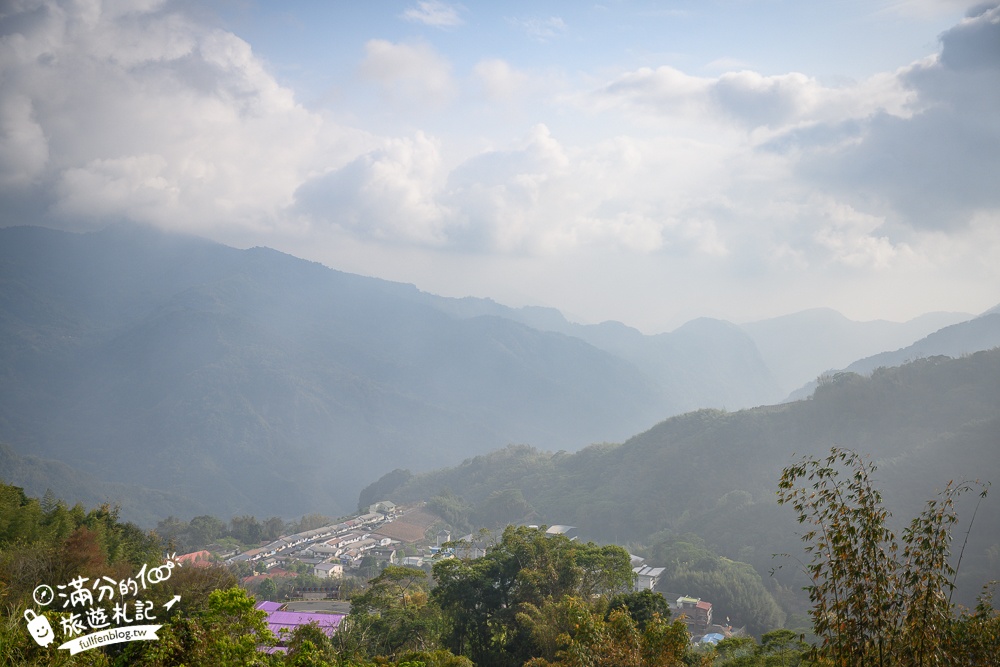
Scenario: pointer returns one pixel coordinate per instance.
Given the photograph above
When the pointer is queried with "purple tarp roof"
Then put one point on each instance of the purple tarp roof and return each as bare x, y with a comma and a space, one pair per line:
285, 622
289, 620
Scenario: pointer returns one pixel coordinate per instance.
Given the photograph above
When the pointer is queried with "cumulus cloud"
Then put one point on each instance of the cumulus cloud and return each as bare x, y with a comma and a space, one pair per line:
127, 109
917, 148
777, 102
664, 90
536, 197
433, 13
409, 73
543, 197
388, 194
935, 168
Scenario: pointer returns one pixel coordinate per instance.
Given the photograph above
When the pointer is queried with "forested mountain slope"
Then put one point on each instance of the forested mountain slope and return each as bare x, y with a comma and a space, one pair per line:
252, 381
715, 474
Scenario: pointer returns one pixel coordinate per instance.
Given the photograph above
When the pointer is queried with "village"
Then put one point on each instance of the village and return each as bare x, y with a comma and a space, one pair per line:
398, 535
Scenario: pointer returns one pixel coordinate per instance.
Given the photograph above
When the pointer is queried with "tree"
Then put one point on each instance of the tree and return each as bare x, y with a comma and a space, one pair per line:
393, 616
205, 529
590, 640
782, 647
174, 533
227, 631
246, 529
309, 646
642, 606
272, 528
524, 571
501, 508
876, 600
268, 590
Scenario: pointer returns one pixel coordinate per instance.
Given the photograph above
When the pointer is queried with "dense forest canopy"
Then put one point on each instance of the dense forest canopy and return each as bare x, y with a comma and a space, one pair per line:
532, 599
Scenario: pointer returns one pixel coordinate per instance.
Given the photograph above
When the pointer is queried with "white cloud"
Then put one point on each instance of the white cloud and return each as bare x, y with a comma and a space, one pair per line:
852, 237
661, 91
433, 13
118, 112
409, 73
934, 168
137, 111
753, 100
387, 194
137, 186
499, 80
537, 197
541, 197
541, 29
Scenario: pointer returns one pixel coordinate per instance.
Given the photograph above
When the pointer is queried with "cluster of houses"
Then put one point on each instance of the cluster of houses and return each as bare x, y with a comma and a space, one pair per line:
330, 549
333, 549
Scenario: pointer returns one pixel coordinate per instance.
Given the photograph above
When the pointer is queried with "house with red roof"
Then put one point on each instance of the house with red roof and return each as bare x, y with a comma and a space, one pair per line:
196, 559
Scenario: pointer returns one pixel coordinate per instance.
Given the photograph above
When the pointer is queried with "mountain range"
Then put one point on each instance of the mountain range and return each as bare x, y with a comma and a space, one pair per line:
176, 375
714, 474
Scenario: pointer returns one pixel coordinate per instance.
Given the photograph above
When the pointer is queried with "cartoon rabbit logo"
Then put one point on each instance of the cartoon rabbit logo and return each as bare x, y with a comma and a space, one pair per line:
39, 628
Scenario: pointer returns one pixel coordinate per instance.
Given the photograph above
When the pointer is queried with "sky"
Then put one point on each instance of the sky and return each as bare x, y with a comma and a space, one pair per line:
634, 160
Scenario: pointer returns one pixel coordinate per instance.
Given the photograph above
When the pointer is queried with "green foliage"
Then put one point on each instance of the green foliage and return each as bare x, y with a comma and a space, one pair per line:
51, 543
591, 640
876, 600
526, 570
734, 589
500, 509
392, 617
642, 606
268, 590
58, 543
225, 631
455, 511
241, 531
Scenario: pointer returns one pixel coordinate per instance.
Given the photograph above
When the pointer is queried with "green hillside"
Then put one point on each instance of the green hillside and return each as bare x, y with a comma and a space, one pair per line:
715, 474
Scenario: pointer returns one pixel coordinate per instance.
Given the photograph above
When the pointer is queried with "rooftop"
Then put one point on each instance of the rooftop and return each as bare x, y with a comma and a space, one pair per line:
286, 622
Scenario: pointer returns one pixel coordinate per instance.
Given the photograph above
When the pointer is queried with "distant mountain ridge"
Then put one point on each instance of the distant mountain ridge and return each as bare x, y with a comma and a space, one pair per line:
253, 381
704, 363
977, 334
250, 381
801, 346
980, 333
723, 368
